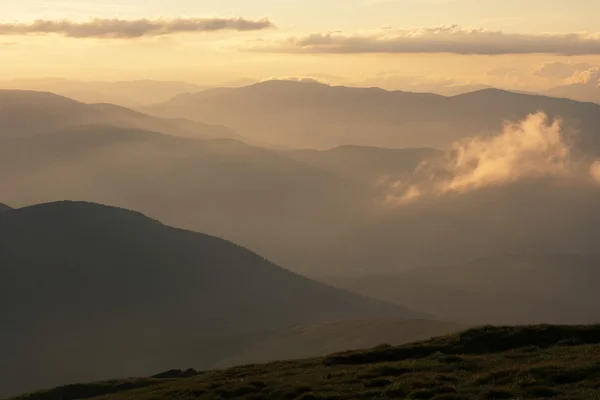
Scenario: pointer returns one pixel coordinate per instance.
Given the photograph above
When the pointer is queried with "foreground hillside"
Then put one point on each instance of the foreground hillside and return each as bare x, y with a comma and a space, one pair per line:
92, 292
534, 362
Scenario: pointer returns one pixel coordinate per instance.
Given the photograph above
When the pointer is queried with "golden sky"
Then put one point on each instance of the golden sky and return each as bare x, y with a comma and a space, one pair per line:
511, 43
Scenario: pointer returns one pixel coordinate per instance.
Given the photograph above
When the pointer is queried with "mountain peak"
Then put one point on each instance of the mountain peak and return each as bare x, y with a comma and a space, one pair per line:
81, 210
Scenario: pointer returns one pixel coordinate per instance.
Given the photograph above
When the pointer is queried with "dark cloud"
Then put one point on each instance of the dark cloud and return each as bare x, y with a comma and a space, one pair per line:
448, 39
129, 29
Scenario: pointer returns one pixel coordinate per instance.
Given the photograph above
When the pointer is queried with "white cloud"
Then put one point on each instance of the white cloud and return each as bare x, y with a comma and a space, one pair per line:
531, 149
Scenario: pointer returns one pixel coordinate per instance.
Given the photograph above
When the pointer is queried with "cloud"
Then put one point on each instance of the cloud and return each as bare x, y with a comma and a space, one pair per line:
130, 29
560, 70
445, 39
531, 149
590, 76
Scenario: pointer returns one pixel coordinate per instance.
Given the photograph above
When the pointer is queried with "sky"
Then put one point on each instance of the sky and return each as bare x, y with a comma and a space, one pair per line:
517, 44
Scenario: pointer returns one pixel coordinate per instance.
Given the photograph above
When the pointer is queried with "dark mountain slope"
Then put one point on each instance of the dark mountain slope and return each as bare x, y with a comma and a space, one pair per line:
91, 292
532, 362
27, 113
312, 115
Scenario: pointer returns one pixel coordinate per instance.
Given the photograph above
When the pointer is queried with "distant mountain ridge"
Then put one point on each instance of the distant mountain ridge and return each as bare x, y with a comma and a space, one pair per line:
315, 115
123, 286
29, 113
126, 93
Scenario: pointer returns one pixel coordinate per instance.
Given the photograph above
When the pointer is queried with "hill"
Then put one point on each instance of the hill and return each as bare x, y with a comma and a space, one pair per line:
82, 282
532, 362
4, 207
258, 198
549, 288
125, 93
329, 337
26, 113
280, 203
314, 115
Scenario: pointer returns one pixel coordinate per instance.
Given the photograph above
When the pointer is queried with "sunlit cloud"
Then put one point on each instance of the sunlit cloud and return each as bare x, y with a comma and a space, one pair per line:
446, 39
134, 28
531, 149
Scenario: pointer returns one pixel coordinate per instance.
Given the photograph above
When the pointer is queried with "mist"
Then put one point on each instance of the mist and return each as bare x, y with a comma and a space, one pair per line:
527, 150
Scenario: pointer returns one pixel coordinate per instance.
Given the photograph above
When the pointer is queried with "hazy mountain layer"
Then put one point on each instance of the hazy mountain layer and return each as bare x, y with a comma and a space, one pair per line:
331, 212
28, 113
313, 115
501, 290
125, 93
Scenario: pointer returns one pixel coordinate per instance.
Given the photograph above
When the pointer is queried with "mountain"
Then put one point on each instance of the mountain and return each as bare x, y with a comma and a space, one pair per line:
28, 113
318, 340
125, 93
533, 362
501, 290
587, 92
255, 197
281, 203
4, 208
314, 115
91, 292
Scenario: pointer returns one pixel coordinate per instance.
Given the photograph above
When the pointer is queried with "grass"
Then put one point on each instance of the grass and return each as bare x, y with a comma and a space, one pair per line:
535, 362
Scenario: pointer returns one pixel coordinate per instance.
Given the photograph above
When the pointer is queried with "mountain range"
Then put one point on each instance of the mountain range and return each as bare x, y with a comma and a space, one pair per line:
28, 113
282, 202
319, 116
114, 293
124, 93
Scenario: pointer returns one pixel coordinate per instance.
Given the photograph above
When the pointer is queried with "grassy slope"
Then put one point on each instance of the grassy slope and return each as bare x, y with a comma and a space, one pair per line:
485, 363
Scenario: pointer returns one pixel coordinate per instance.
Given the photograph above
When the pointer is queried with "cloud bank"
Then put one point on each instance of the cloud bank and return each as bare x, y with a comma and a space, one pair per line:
131, 29
531, 149
446, 39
